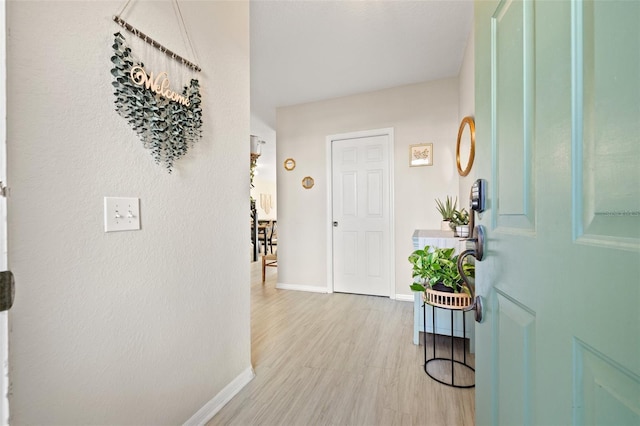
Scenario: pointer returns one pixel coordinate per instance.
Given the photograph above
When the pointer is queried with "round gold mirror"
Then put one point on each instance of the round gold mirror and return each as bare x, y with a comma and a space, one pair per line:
307, 182
466, 146
289, 164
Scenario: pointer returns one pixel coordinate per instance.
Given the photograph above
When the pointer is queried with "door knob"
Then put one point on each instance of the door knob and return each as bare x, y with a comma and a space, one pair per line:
476, 304
478, 253
478, 240
335, 224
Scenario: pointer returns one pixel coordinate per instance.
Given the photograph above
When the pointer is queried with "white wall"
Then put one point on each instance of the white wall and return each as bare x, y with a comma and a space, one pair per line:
467, 108
138, 327
419, 113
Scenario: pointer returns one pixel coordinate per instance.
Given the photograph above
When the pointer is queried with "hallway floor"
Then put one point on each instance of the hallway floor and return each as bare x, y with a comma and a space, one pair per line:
339, 359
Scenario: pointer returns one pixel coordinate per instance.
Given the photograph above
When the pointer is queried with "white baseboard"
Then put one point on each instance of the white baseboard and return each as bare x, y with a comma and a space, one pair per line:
298, 287
314, 289
212, 407
404, 297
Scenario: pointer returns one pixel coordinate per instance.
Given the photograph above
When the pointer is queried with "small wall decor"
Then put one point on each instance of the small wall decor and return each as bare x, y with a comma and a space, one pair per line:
118, 20
167, 121
307, 182
266, 203
421, 155
289, 164
466, 146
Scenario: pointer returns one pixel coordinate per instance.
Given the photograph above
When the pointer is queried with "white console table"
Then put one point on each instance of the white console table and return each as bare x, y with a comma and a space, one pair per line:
440, 239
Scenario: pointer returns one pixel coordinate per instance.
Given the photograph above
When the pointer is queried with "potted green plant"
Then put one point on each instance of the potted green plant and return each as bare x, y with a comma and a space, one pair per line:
436, 268
460, 223
446, 210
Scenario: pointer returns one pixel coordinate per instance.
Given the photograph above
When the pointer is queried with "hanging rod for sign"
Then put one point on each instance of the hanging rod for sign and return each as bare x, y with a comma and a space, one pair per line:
155, 44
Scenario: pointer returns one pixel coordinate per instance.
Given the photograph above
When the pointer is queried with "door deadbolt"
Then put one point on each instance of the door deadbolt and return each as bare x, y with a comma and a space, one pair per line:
335, 224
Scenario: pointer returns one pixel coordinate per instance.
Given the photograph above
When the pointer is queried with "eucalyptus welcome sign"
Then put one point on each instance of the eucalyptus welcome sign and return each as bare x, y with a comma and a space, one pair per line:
167, 122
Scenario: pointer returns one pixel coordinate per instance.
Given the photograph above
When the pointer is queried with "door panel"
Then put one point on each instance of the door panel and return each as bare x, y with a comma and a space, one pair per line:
349, 194
515, 343
350, 253
374, 248
604, 389
607, 208
375, 196
557, 136
512, 49
361, 235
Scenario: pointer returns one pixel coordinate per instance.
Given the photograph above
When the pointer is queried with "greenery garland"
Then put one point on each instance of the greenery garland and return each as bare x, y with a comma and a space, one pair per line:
168, 128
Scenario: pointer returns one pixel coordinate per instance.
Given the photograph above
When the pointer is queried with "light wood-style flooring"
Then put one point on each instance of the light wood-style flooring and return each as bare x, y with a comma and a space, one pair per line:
340, 359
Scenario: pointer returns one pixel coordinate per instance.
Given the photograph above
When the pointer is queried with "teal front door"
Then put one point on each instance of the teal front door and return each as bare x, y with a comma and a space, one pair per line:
558, 142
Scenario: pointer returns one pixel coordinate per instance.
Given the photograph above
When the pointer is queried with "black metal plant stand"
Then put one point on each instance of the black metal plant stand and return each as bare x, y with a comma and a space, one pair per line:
452, 359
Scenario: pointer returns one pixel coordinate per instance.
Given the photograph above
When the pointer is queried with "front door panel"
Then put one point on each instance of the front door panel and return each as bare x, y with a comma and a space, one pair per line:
606, 66
558, 139
513, 75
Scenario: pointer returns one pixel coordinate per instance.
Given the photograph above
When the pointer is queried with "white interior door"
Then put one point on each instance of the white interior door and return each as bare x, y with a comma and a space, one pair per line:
361, 215
558, 140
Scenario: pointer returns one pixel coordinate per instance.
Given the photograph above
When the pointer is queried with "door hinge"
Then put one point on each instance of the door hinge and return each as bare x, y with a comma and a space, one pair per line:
4, 190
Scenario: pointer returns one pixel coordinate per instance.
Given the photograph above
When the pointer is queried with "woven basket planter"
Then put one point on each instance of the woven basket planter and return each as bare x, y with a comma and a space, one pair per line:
442, 299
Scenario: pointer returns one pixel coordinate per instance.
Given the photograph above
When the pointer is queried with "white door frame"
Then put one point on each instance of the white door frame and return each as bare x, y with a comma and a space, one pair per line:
4, 321
329, 227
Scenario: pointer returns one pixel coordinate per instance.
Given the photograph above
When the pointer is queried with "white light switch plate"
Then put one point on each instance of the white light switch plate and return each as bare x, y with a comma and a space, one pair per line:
121, 214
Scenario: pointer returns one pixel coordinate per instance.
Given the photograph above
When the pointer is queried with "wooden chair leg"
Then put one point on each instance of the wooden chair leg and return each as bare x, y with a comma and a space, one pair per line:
264, 268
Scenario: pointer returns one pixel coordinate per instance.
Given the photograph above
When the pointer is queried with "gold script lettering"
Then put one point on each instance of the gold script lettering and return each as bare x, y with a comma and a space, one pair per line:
159, 84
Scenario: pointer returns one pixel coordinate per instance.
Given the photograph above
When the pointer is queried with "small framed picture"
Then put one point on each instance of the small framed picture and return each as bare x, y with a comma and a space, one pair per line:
421, 155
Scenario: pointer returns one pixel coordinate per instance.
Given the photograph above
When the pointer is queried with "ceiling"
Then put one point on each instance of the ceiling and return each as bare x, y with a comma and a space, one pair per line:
306, 51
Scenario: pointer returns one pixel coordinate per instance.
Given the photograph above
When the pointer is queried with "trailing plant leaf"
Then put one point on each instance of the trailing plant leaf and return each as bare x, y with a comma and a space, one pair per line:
167, 128
417, 287
433, 265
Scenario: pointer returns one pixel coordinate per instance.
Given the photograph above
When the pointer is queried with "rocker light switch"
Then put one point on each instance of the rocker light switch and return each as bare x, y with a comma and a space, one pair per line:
121, 214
